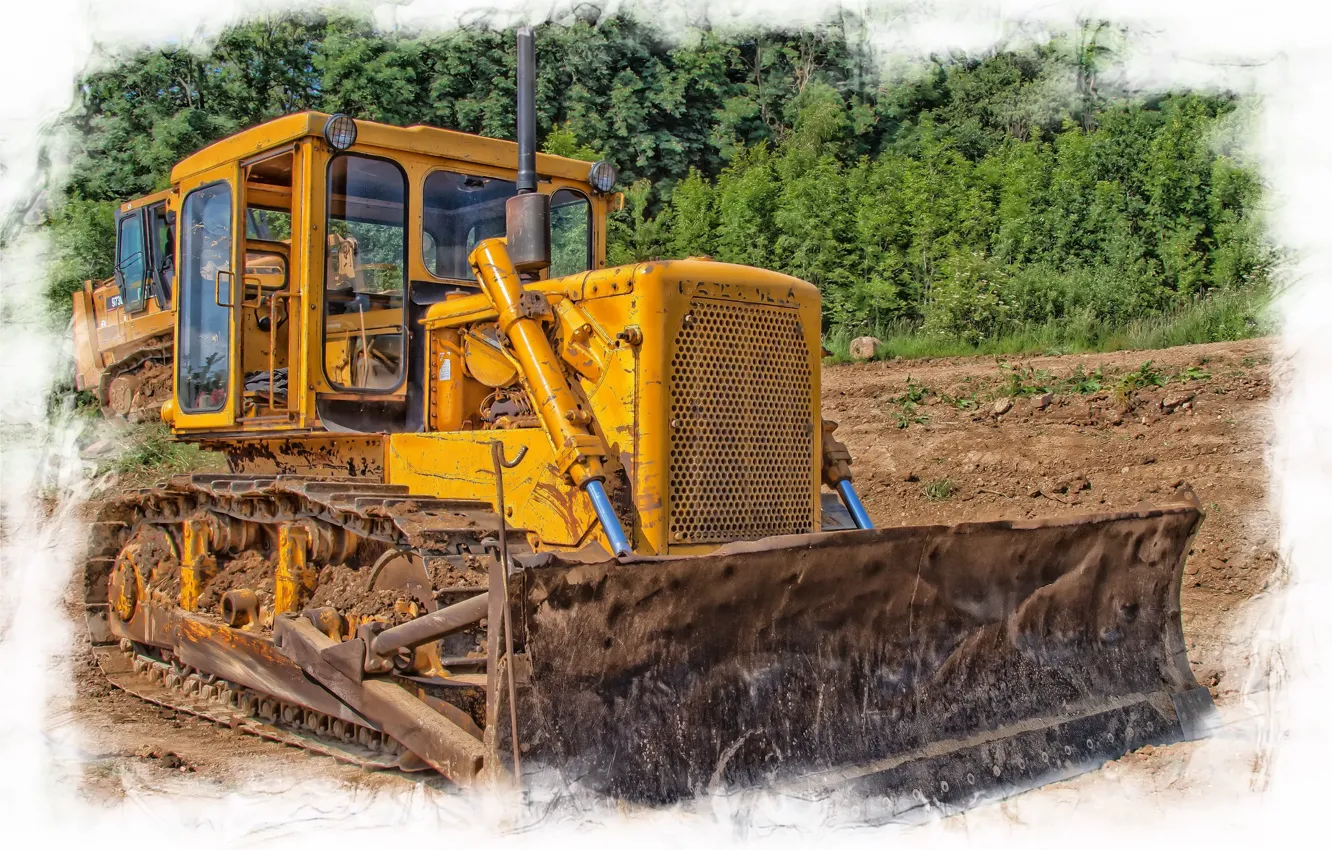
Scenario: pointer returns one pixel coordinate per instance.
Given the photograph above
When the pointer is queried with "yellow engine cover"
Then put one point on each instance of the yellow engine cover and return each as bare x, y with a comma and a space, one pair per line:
701, 378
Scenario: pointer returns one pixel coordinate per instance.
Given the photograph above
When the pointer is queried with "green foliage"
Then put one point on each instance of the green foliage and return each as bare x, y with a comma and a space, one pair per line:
1144, 376
915, 393
966, 402
968, 302
1218, 317
1082, 382
83, 235
694, 217
150, 452
633, 235
1010, 201
1021, 381
906, 415
939, 490
562, 141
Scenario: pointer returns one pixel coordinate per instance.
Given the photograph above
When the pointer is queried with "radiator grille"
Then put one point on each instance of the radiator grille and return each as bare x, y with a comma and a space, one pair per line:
741, 433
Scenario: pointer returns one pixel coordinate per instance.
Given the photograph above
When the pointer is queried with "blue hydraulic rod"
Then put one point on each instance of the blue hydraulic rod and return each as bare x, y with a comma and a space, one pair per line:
853, 504
610, 523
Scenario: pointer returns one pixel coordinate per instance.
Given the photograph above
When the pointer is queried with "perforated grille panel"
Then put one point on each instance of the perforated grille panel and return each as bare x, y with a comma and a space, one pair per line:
742, 440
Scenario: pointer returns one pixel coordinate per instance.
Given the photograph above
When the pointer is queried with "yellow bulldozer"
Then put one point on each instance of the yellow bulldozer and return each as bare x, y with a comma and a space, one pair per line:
123, 325
494, 506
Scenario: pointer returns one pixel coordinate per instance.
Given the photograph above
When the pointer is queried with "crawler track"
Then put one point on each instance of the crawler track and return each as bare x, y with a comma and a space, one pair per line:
355, 523
159, 351
136, 671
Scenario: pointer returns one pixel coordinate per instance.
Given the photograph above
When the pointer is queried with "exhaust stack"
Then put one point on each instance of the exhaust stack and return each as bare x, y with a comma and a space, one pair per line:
527, 215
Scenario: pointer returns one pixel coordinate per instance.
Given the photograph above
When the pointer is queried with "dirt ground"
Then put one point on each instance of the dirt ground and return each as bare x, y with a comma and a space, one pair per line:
939, 460
934, 441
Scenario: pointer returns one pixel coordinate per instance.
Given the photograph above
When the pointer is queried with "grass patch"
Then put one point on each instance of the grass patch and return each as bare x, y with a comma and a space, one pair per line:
1219, 317
905, 415
151, 453
1139, 379
1193, 373
940, 489
1020, 381
1082, 382
961, 402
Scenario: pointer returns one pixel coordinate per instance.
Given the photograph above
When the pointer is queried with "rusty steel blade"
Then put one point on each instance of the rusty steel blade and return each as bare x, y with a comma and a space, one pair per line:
894, 659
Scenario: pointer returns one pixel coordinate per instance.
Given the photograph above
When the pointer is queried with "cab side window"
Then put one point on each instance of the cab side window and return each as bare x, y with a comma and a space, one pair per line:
458, 211
130, 261
570, 233
160, 227
366, 274
203, 358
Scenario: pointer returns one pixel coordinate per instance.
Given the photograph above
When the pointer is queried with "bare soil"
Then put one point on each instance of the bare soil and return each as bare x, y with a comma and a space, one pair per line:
930, 446
934, 461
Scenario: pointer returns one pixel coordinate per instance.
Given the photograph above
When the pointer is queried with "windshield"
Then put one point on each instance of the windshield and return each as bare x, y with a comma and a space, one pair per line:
460, 210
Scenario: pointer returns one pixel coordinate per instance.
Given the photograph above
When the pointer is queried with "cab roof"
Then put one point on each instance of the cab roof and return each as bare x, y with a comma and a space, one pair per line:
417, 139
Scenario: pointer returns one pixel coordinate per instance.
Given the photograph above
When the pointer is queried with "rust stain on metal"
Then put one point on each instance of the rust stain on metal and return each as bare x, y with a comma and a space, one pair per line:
327, 456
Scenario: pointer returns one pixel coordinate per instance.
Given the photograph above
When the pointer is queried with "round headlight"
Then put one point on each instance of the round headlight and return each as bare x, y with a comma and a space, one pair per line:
602, 176
340, 131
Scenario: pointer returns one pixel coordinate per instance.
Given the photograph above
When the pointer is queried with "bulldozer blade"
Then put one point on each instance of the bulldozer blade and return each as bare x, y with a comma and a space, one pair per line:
929, 662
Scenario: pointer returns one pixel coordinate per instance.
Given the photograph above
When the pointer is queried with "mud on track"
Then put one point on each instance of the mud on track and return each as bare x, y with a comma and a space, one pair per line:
930, 447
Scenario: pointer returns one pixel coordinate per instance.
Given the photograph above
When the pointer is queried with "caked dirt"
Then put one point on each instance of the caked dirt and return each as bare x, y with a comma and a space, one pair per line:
934, 441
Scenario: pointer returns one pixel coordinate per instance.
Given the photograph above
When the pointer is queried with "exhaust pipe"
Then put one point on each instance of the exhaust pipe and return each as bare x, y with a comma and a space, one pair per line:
527, 177
527, 215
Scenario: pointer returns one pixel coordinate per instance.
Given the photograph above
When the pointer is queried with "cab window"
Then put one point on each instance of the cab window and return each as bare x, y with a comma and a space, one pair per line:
130, 263
457, 212
272, 225
461, 210
160, 226
570, 233
204, 355
365, 274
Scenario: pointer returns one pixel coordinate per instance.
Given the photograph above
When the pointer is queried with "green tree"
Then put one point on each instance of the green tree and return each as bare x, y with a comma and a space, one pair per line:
81, 230
960, 196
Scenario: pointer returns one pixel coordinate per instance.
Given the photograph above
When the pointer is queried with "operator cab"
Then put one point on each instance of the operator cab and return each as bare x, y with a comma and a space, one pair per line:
351, 230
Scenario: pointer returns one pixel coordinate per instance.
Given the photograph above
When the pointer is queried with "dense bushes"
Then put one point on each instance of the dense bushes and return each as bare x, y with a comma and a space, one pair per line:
964, 199
1133, 218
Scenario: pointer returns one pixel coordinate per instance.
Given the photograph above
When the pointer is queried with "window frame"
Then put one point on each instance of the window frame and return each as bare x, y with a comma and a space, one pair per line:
406, 275
465, 172
139, 215
206, 292
446, 169
163, 262
591, 225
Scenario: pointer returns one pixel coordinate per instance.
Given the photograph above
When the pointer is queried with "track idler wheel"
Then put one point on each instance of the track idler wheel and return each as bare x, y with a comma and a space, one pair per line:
120, 394
148, 549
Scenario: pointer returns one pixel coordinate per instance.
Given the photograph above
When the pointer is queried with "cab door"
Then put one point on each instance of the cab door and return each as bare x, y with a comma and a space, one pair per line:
161, 253
131, 270
209, 242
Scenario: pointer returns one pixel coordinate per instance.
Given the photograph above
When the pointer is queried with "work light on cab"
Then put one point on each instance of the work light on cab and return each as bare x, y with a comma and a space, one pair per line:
602, 176
340, 131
